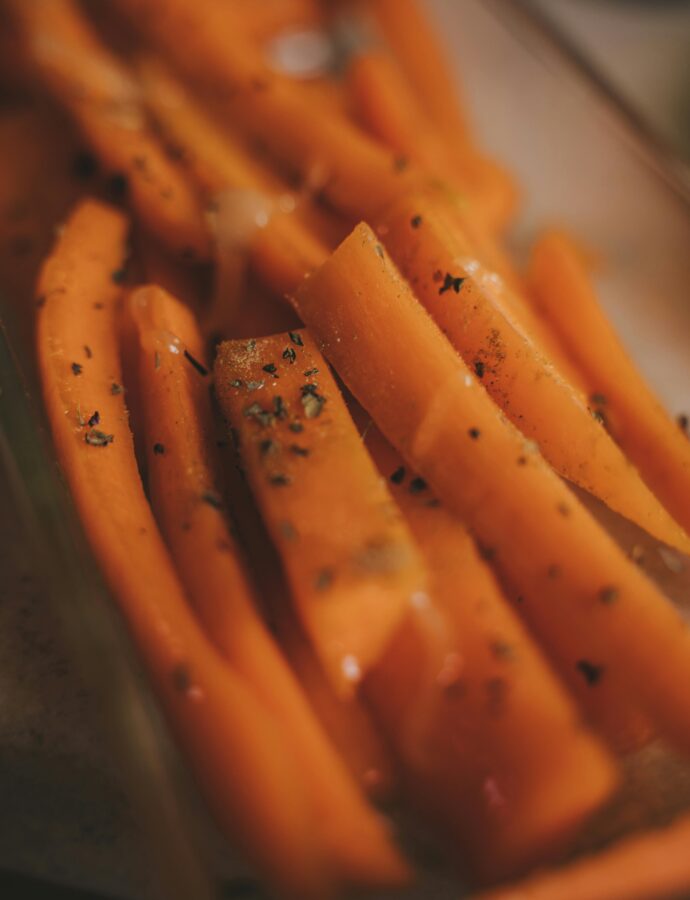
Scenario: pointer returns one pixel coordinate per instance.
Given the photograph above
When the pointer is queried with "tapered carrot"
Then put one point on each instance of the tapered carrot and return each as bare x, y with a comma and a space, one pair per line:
616, 640
102, 98
564, 295
236, 754
349, 559
439, 264
653, 865
183, 484
491, 742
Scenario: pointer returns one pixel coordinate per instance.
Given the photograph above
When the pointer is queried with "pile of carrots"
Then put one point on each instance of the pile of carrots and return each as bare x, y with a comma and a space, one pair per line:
321, 431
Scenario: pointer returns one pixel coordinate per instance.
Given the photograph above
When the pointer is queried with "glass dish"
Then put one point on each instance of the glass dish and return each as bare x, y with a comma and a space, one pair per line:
582, 163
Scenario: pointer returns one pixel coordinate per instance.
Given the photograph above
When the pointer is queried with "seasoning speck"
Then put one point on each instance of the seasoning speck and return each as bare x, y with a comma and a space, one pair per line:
236, 383
88, 352
379, 250
94, 419
289, 354
399, 475
158, 449
267, 447
417, 485
479, 368
313, 405
308, 373
683, 422
474, 433
299, 451
451, 283
202, 370
416, 221
76, 368
213, 499
279, 479
296, 427
591, 672
324, 579
119, 275
98, 438
116, 388
296, 338
608, 595
270, 368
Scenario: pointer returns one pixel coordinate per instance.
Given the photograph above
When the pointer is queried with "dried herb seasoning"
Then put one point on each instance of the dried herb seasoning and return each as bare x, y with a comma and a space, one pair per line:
417, 485
116, 388
591, 672
236, 383
451, 283
296, 427
212, 498
324, 579
313, 405
268, 447
296, 450
88, 352
563, 509
416, 221
474, 434
158, 448
608, 595
119, 275
94, 419
502, 650
270, 369
279, 408
76, 368
308, 373
98, 438
202, 370
399, 475
279, 479
379, 250
479, 368
296, 338
289, 354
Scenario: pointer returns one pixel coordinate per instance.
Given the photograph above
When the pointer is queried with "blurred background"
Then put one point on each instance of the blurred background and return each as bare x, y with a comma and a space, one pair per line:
642, 49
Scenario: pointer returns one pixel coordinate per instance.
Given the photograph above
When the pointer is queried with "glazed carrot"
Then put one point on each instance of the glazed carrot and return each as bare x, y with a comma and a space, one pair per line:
102, 98
263, 220
654, 865
202, 41
237, 756
183, 484
388, 109
492, 744
564, 295
345, 720
348, 556
412, 39
262, 21
616, 640
440, 266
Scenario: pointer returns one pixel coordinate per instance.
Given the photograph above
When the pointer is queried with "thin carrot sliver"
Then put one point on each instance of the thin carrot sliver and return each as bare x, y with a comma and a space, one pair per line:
565, 297
231, 745
619, 643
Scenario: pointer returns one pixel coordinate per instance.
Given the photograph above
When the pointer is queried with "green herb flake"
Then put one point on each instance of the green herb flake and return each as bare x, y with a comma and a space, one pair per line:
591, 672
236, 383
289, 354
116, 388
98, 438
296, 427
416, 221
451, 283
279, 479
296, 450
417, 485
76, 368
213, 499
324, 579
270, 368
309, 373
296, 338
158, 448
399, 475
94, 419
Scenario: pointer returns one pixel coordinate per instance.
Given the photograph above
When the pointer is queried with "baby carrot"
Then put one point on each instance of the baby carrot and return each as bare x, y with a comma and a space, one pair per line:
440, 266
491, 743
236, 755
615, 638
102, 98
564, 296
647, 866
349, 559
183, 484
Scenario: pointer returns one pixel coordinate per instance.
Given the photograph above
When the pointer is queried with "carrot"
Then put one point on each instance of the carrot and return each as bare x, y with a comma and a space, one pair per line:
183, 484
388, 109
255, 216
492, 744
440, 266
564, 296
648, 866
616, 640
201, 40
262, 21
236, 755
102, 98
345, 720
348, 556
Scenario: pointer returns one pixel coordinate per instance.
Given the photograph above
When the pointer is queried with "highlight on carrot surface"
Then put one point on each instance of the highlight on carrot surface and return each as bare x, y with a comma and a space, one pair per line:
647, 866
99, 93
350, 562
216, 719
439, 263
564, 295
600, 620
184, 485
492, 746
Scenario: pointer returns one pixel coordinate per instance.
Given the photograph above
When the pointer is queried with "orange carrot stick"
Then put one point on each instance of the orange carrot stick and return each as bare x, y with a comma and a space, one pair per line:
237, 756
648, 866
492, 744
564, 295
183, 483
348, 556
616, 640
440, 265
202, 42
101, 96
